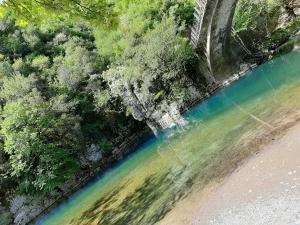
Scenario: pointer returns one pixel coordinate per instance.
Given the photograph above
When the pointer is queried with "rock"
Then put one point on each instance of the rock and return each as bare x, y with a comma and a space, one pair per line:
17, 203
296, 48
24, 209
91, 156
194, 93
295, 4
283, 20
168, 115
93, 153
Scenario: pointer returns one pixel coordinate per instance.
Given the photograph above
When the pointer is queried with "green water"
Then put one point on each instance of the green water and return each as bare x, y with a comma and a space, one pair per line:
147, 185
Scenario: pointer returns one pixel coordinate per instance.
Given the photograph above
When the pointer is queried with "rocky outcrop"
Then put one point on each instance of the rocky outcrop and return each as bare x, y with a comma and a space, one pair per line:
162, 115
144, 105
295, 5
283, 21
168, 115
93, 153
25, 208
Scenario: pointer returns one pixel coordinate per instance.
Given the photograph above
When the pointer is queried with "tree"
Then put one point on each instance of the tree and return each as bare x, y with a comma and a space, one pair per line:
41, 145
76, 67
155, 66
17, 86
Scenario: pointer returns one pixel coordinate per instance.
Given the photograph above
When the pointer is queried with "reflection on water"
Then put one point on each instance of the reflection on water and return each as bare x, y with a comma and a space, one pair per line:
221, 130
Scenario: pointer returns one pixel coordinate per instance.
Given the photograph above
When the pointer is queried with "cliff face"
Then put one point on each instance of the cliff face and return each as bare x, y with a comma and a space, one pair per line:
158, 112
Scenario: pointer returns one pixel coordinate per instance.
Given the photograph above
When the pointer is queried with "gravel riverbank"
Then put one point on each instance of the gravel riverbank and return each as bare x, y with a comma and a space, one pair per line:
264, 190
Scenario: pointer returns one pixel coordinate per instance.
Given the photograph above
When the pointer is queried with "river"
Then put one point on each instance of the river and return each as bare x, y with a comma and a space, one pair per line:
221, 130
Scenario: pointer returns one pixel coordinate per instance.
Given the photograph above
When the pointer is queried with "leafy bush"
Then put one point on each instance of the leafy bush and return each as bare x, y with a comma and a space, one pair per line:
41, 145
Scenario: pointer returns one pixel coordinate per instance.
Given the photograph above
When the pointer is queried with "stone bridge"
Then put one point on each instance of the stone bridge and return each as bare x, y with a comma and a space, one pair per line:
210, 37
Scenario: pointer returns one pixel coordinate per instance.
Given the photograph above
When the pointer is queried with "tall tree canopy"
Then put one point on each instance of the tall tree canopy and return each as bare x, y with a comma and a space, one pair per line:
37, 10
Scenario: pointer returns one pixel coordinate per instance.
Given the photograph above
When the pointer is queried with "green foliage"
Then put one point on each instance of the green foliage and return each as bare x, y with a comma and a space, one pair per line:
102, 98
41, 62
250, 13
135, 19
280, 36
17, 87
38, 11
49, 115
6, 69
41, 145
5, 216
57, 62
258, 24
106, 146
76, 66
155, 65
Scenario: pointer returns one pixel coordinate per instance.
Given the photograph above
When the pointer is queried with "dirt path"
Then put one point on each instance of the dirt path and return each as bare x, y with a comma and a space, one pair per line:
264, 191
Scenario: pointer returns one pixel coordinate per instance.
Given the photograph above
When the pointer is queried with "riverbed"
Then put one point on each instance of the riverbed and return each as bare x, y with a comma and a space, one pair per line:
221, 132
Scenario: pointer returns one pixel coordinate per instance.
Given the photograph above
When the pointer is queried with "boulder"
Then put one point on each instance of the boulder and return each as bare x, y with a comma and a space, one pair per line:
168, 115
92, 155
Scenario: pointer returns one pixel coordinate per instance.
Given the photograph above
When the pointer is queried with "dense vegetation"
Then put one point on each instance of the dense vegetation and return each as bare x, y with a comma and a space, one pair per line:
57, 62
266, 24
66, 66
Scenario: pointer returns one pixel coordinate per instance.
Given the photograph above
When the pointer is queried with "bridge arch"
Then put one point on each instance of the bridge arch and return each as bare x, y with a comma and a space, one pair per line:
210, 36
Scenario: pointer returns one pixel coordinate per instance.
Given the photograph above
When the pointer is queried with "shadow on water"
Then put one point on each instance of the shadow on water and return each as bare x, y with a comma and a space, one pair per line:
133, 208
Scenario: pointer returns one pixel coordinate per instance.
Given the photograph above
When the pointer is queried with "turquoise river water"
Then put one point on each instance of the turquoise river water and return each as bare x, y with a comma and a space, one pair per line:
147, 185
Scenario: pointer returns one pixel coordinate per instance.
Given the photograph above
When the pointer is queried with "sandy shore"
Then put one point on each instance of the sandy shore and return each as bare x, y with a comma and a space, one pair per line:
264, 190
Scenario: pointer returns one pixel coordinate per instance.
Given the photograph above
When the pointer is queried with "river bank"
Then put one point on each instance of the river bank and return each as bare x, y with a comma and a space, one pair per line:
257, 185
126, 148
129, 146
142, 193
